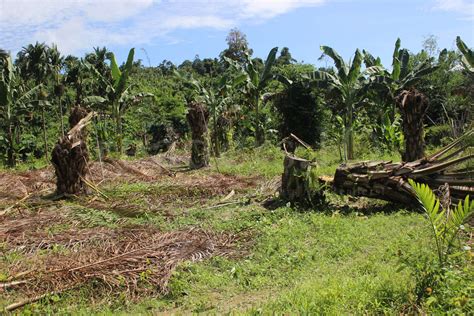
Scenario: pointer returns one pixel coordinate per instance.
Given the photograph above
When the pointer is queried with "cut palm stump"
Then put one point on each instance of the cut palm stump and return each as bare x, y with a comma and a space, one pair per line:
70, 156
453, 165
198, 116
297, 185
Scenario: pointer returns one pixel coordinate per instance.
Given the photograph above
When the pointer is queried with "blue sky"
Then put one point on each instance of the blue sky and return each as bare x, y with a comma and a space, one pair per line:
180, 29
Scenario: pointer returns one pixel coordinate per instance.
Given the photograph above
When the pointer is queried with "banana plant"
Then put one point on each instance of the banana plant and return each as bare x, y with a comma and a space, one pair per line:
350, 85
252, 83
397, 87
401, 77
446, 222
467, 55
14, 103
119, 93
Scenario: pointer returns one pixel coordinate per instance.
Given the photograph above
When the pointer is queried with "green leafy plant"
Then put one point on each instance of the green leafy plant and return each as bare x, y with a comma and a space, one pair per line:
119, 89
350, 86
446, 222
393, 137
15, 100
434, 277
467, 55
252, 82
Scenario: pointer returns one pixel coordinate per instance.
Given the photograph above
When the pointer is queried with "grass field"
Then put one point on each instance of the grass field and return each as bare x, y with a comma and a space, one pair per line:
340, 259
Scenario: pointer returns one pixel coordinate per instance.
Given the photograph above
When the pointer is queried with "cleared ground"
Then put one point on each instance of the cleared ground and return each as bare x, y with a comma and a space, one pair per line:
155, 238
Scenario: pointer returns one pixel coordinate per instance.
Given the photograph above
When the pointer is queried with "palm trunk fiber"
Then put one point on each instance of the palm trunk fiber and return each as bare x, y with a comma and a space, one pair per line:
452, 165
198, 117
413, 106
70, 156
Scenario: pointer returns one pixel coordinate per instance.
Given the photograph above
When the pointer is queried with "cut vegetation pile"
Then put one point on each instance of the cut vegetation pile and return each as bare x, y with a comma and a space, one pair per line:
135, 259
21, 184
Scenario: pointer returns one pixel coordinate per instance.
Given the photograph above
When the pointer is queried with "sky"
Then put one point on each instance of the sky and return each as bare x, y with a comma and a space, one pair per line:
181, 29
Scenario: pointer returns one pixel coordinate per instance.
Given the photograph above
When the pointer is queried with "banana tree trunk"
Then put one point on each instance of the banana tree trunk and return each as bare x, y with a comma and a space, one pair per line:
198, 116
259, 136
413, 106
217, 152
350, 133
118, 129
45, 137
11, 155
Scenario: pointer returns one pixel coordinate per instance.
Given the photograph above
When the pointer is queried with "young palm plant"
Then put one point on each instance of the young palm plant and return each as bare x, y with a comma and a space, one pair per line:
446, 222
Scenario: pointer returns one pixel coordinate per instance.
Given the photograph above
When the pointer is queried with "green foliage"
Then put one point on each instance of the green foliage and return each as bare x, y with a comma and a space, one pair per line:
301, 111
252, 81
438, 135
446, 222
441, 283
391, 131
15, 101
468, 55
349, 86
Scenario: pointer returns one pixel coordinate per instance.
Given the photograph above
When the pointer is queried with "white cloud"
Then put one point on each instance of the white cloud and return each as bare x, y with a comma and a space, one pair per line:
270, 8
77, 25
463, 7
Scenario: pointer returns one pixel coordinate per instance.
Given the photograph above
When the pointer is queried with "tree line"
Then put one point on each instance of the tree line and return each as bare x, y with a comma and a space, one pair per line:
356, 105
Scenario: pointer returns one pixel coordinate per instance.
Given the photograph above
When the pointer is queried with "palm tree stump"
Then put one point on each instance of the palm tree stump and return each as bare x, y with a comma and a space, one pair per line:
70, 156
451, 166
295, 182
198, 116
413, 106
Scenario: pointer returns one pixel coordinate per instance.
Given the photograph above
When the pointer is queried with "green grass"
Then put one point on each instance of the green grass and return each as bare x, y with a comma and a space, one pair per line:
266, 161
342, 260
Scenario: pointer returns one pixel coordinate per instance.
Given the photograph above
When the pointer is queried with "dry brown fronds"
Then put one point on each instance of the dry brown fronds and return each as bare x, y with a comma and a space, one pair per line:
135, 259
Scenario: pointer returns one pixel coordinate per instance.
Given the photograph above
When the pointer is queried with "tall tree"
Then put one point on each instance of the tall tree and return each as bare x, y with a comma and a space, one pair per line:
33, 61
75, 76
285, 57
98, 59
238, 47
56, 62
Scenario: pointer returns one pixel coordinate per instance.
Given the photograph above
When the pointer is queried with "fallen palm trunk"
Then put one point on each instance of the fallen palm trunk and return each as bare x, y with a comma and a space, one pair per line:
70, 156
452, 165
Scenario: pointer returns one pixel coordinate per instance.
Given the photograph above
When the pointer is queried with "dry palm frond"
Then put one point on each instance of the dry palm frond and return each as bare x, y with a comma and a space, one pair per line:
138, 259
